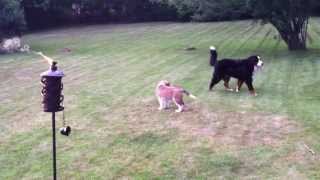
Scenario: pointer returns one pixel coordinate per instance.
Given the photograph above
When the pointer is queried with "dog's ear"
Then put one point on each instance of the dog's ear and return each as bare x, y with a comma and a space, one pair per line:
164, 83
258, 57
167, 83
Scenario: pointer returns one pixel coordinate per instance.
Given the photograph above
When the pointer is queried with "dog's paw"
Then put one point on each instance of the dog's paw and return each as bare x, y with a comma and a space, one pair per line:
229, 89
254, 94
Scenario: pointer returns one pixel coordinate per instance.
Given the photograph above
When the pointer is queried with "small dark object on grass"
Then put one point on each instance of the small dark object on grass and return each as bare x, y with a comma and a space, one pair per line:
66, 50
190, 48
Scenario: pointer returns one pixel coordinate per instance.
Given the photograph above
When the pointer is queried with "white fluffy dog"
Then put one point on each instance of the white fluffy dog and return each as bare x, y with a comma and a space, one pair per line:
11, 45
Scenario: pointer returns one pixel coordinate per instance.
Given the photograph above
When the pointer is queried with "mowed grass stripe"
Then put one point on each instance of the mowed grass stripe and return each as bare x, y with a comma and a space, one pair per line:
232, 30
314, 32
248, 35
210, 38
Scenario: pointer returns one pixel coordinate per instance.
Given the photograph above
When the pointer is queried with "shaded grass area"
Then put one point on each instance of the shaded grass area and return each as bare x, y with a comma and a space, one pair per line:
111, 66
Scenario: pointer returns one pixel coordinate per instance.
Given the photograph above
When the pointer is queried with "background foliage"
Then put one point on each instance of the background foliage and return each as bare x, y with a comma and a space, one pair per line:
39, 14
11, 18
48, 13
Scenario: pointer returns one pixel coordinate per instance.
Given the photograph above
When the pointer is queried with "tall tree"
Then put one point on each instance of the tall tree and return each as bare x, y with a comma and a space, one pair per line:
289, 17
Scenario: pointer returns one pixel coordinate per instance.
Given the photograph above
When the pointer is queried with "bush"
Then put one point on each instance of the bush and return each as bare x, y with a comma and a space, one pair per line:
217, 10
210, 10
186, 9
11, 18
10, 45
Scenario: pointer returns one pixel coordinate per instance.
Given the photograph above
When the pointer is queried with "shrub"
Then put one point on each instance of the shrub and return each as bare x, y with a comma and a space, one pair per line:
11, 18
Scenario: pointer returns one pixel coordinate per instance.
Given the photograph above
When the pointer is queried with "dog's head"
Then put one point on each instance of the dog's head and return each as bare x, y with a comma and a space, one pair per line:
163, 83
256, 61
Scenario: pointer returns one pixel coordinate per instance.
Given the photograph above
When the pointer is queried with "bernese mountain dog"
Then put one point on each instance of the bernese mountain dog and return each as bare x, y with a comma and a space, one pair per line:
241, 69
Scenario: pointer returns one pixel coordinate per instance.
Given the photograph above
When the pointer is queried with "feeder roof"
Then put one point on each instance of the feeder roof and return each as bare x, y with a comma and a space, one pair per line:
55, 73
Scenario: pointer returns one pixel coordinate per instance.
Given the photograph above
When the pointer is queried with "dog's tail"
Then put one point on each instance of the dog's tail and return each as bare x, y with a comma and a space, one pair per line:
213, 56
189, 94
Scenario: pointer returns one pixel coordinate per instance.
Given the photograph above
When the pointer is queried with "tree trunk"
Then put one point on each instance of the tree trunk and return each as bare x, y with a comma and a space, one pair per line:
295, 41
293, 32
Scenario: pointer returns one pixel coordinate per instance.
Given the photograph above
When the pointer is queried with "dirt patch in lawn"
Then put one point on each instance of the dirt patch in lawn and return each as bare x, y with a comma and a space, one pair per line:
200, 121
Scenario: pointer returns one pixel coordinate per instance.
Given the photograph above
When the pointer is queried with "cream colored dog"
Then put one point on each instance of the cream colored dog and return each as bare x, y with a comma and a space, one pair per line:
167, 93
11, 45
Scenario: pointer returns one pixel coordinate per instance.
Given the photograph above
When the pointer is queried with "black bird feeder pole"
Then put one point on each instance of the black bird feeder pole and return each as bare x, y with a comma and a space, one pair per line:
52, 101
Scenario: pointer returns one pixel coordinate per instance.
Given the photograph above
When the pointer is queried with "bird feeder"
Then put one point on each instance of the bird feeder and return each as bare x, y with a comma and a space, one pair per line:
52, 101
52, 87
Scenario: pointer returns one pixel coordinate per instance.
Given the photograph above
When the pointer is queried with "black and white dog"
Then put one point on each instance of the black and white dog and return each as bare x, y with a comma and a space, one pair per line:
241, 69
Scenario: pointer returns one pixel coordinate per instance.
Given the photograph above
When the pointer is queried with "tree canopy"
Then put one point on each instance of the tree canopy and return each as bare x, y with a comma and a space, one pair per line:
289, 17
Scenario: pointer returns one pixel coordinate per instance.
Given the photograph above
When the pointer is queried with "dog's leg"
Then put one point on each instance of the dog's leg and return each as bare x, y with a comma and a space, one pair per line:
214, 81
161, 103
250, 87
167, 104
180, 107
226, 80
179, 103
240, 82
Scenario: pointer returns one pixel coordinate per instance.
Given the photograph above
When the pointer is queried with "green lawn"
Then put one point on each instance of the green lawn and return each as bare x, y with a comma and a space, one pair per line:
118, 133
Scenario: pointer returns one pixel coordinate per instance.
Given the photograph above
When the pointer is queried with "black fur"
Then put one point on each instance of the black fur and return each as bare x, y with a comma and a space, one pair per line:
241, 69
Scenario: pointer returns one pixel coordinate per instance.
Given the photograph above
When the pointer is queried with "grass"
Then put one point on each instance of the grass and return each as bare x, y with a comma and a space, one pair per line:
111, 73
